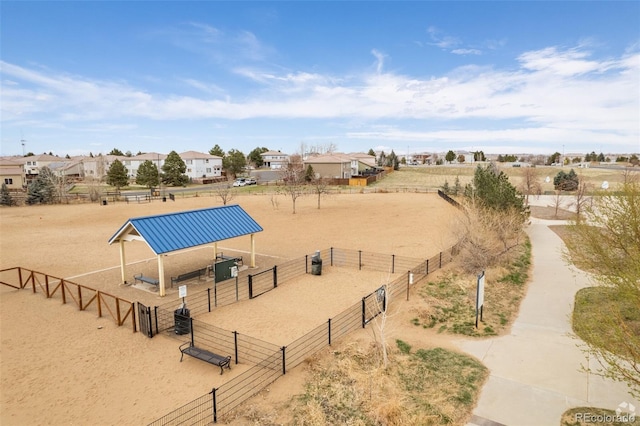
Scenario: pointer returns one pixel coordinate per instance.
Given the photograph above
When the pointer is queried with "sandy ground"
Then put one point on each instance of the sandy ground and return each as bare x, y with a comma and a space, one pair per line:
62, 366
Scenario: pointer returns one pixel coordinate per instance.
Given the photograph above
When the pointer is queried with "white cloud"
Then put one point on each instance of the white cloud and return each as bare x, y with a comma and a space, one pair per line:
379, 60
466, 52
555, 95
440, 40
565, 63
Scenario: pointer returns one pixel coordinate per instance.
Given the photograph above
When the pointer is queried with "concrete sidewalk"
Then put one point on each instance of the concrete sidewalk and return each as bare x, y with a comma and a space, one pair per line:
535, 370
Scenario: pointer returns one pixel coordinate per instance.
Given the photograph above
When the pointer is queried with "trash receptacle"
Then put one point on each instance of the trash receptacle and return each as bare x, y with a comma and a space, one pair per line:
164, 199
104, 202
182, 319
316, 264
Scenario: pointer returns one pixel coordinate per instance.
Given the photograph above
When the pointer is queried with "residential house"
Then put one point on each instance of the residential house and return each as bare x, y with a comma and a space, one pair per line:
421, 158
12, 173
97, 167
362, 163
336, 165
274, 160
69, 169
201, 165
33, 163
132, 164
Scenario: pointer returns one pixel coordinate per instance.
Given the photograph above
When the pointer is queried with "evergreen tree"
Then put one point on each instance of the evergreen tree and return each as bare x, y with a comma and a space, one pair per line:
450, 156
492, 189
554, 158
255, 157
217, 151
601, 157
42, 189
566, 181
116, 151
148, 174
392, 161
382, 159
479, 156
117, 175
371, 152
309, 174
5, 196
456, 186
173, 170
445, 188
234, 162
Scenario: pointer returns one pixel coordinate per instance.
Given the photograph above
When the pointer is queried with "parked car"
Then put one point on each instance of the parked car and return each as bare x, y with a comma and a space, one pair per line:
239, 182
250, 181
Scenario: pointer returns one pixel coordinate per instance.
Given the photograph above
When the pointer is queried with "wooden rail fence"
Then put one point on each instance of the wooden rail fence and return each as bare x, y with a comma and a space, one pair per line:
120, 310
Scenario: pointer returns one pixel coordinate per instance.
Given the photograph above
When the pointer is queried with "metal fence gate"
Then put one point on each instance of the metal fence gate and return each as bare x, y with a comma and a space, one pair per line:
145, 318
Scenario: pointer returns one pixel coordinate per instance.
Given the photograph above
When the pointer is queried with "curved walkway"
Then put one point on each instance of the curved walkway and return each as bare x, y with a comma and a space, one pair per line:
535, 370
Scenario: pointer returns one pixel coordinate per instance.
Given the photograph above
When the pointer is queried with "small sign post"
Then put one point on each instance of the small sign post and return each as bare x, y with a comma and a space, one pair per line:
479, 297
182, 292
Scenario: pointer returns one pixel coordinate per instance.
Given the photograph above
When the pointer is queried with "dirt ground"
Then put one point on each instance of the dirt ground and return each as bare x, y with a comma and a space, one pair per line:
60, 366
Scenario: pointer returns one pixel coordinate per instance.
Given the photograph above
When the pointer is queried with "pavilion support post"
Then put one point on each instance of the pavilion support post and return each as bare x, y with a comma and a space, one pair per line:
161, 274
253, 250
122, 263
215, 252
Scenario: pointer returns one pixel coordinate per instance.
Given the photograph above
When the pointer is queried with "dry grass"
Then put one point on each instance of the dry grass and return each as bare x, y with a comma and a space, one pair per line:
550, 213
434, 177
425, 387
449, 302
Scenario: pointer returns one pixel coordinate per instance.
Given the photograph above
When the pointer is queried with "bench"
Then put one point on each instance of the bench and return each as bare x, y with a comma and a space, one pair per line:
189, 275
204, 355
144, 279
238, 259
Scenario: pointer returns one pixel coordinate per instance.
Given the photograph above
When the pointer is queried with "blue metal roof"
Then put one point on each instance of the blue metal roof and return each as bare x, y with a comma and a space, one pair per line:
176, 231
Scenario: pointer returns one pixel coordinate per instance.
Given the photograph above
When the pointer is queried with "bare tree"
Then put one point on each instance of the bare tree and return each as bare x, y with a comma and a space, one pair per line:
380, 311
224, 190
320, 187
530, 184
94, 188
488, 237
293, 178
581, 196
317, 149
558, 202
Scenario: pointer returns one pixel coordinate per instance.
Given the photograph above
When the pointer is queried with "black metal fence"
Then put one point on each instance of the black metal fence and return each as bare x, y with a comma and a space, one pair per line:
449, 199
272, 361
262, 282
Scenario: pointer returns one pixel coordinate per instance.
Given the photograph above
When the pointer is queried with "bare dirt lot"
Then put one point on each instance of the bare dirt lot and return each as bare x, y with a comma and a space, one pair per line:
63, 366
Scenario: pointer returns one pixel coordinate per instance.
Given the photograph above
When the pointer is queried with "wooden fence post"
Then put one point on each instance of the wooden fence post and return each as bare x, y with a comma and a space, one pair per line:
118, 309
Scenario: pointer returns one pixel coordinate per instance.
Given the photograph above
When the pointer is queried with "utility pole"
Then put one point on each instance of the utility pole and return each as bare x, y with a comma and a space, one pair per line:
23, 142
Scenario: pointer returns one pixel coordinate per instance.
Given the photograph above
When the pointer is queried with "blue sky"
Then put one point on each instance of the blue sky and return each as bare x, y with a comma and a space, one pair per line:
502, 77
